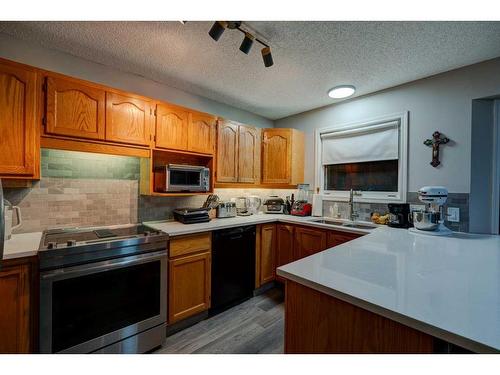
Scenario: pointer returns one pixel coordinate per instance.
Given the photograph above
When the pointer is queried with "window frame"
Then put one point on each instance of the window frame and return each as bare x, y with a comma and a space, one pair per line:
367, 196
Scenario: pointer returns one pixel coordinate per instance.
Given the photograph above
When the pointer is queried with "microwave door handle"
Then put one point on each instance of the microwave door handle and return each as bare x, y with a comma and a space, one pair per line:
102, 266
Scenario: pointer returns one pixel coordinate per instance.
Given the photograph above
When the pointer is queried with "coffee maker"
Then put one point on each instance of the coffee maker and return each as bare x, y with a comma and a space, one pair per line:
399, 215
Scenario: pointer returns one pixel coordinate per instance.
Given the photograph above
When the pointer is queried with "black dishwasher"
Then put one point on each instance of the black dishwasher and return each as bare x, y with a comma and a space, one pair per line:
233, 267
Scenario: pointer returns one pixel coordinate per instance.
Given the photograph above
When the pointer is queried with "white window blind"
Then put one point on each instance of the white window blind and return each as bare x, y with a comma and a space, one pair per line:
370, 143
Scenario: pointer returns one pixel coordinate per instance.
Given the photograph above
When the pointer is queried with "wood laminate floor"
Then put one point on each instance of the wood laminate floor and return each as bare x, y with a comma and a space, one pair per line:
255, 326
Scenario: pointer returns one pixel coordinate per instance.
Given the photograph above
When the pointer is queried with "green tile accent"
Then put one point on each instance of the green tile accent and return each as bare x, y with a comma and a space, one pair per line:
73, 164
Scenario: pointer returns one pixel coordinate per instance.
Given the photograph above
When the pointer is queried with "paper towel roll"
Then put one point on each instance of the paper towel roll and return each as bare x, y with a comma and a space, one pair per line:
317, 205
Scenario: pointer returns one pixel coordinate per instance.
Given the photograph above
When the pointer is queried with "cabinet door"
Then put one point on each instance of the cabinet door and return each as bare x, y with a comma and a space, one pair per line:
201, 133
249, 155
285, 245
171, 127
336, 238
227, 152
276, 156
267, 253
19, 150
309, 241
128, 119
15, 310
189, 286
74, 109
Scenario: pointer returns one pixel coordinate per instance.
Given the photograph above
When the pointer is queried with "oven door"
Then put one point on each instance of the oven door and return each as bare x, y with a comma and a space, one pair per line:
85, 308
184, 178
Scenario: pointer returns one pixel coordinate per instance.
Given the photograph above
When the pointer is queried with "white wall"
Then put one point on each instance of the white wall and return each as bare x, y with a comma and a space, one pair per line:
442, 102
60, 62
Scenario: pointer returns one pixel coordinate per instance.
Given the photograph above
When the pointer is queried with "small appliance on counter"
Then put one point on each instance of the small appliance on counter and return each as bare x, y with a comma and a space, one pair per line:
226, 209
399, 215
301, 208
254, 204
191, 215
242, 204
9, 210
179, 178
274, 205
431, 220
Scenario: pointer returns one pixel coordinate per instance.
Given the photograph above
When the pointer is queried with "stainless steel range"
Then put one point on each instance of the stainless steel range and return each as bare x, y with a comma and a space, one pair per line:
103, 290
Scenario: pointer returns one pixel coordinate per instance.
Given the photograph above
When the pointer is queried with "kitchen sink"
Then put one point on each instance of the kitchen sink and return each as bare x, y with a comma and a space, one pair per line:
344, 224
326, 221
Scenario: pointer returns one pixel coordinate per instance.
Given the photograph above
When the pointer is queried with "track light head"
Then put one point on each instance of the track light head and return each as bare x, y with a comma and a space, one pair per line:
267, 57
247, 42
217, 29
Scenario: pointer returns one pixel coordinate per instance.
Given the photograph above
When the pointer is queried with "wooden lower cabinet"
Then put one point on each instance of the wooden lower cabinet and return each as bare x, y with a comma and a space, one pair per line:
189, 276
335, 238
15, 310
318, 323
308, 241
266, 248
284, 246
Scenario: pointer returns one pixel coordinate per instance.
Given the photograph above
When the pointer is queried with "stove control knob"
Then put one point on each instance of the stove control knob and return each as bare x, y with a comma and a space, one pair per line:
51, 245
147, 233
71, 243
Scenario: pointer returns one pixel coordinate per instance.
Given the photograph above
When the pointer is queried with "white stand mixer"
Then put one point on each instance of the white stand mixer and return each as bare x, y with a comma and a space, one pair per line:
431, 221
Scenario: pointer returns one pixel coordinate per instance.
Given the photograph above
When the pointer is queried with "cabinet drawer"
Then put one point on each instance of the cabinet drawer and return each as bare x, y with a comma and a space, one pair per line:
190, 244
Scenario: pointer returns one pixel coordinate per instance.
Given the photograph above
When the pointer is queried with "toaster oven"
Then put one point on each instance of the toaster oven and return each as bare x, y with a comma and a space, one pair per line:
182, 178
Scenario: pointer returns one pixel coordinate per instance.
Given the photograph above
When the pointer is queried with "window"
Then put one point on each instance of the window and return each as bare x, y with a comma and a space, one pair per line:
369, 157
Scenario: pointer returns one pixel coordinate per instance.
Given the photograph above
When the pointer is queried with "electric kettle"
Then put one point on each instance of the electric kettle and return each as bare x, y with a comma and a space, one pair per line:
8, 214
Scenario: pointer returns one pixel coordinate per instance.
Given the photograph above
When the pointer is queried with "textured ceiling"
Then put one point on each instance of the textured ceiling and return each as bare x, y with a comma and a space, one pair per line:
310, 57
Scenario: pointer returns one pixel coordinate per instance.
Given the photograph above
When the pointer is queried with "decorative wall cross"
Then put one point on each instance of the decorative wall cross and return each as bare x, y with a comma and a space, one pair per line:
437, 140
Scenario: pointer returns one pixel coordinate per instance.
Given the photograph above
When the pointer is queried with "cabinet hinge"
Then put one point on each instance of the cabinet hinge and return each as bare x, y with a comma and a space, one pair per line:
44, 86
44, 121
155, 112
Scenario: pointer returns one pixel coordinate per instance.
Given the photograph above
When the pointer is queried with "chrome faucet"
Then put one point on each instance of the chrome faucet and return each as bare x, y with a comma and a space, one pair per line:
353, 215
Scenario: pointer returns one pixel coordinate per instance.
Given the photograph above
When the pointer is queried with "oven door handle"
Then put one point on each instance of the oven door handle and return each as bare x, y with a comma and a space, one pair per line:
103, 265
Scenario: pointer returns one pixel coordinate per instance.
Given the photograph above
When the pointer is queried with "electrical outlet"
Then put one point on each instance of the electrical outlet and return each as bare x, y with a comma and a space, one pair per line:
453, 214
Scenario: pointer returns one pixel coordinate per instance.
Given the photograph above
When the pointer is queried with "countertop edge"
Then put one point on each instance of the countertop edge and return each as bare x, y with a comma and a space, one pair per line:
389, 314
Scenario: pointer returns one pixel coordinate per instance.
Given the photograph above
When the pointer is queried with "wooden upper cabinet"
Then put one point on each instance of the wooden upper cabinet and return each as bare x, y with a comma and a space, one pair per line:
74, 109
19, 144
15, 313
282, 156
309, 241
201, 133
128, 119
238, 153
171, 127
249, 155
227, 151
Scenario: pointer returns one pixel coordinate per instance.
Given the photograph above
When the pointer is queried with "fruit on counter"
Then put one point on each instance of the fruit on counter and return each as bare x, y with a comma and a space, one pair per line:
379, 219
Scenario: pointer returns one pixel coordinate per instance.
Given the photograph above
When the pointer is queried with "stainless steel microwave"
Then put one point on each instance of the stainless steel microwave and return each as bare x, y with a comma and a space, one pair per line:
183, 178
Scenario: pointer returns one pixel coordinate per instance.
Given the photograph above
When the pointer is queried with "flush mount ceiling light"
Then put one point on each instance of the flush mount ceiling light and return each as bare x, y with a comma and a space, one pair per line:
219, 27
340, 92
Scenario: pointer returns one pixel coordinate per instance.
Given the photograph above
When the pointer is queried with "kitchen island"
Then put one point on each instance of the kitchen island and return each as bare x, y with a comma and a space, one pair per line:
396, 292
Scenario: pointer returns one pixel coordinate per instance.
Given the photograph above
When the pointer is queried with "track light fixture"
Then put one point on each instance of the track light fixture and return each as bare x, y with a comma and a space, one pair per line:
219, 27
247, 43
267, 57
217, 30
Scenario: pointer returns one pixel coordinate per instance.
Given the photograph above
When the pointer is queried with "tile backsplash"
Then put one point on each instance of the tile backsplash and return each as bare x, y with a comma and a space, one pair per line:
84, 189
459, 200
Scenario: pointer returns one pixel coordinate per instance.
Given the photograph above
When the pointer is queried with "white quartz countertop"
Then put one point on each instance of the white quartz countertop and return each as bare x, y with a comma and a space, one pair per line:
175, 228
22, 245
448, 287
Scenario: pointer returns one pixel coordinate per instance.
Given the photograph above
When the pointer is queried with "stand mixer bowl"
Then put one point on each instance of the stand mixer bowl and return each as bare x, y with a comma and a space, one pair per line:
426, 220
